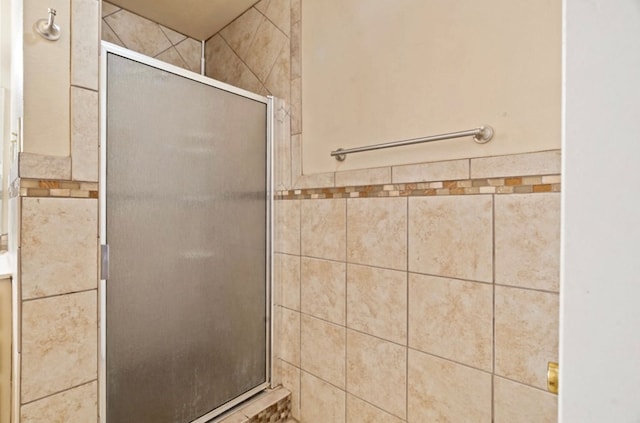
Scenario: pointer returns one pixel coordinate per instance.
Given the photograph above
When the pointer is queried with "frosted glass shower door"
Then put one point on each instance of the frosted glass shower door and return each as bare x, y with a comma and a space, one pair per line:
186, 225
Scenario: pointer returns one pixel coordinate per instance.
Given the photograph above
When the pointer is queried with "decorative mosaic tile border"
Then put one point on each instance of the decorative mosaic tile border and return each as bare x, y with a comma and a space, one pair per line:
506, 185
279, 412
51, 188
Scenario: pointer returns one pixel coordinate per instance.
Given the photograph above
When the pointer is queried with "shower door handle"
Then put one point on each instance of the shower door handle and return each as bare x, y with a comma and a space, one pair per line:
104, 261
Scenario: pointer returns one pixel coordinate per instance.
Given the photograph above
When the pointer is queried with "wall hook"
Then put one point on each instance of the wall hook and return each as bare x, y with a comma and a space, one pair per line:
47, 28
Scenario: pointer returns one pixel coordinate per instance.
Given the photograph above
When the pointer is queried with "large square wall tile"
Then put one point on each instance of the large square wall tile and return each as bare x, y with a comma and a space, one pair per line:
323, 285
528, 241
287, 280
287, 227
323, 350
377, 302
526, 332
377, 232
59, 251
452, 236
443, 391
288, 335
377, 372
324, 229
516, 403
75, 405
452, 319
320, 402
359, 411
59, 343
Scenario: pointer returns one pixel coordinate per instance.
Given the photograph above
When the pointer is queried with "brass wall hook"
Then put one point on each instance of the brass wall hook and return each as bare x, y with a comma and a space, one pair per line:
47, 27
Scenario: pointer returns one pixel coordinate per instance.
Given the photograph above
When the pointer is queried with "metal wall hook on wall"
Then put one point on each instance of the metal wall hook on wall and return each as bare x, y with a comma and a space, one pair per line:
47, 28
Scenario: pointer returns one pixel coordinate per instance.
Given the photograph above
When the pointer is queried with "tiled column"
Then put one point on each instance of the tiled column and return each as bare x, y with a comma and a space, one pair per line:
58, 221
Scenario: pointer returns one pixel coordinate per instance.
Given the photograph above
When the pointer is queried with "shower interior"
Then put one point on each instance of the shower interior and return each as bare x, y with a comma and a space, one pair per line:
186, 317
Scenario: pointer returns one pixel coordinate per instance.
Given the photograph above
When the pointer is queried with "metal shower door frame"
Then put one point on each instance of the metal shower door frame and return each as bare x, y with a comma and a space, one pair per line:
106, 49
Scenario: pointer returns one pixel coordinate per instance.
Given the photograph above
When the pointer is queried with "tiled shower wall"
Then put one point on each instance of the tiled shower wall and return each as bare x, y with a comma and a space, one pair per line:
421, 293
139, 34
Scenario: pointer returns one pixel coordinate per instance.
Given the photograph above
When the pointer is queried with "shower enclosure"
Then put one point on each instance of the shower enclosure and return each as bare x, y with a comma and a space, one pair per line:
185, 206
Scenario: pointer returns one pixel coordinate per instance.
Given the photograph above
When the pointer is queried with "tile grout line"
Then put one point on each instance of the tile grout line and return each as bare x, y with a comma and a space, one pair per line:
300, 309
346, 301
59, 392
407, 314
493, 314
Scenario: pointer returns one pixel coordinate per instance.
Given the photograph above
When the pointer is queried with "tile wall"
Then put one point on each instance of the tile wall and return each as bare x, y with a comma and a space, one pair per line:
254, 51
139, 34
421, 293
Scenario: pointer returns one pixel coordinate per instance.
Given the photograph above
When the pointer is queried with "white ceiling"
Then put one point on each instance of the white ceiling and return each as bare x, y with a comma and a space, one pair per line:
199, 19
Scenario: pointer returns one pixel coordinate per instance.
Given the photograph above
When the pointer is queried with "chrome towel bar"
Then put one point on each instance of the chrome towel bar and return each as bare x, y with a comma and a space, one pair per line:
480, 135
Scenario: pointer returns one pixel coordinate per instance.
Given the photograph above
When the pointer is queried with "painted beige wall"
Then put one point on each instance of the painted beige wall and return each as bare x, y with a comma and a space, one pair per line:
47, 78
397, 70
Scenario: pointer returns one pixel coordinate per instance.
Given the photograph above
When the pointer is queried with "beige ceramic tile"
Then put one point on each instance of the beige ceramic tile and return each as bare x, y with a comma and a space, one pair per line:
359, 411
296, 156
84, 135
191, 52
108, 9
287, 280
282, 141
85, 38
224, 65
296, 106
377, 302
288, 331
59, 343
377, 372
240, 33
264, 49
290, 379
279, 80
322, 286
172, 56
315, 180
279, 12
173, 36
76, 405
39, 166
436, 171
237, 417
263, 401
295, 49
377, 232
322, 347
320, 402
287, 226
526, 331
443, 391
542, 163
516, 403
110, 36
528, 240
296, 10
59, 246
452, 319
373, 176
323, 229
137, 33
451, 236
263, 5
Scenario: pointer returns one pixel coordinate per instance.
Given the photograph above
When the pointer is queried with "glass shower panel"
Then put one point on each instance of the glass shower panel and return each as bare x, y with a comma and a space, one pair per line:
186, 227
